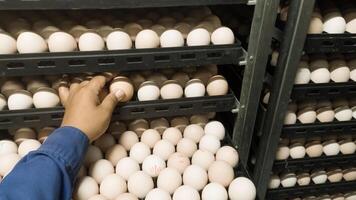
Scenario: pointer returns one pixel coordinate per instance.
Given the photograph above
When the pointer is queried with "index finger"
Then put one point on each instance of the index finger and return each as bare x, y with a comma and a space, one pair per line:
97, 83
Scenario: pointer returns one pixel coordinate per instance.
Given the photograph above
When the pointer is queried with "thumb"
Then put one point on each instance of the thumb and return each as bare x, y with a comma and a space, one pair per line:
63, 95
112, 99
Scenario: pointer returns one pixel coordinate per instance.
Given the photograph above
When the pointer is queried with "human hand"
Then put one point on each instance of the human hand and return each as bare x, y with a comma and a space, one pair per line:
85, 110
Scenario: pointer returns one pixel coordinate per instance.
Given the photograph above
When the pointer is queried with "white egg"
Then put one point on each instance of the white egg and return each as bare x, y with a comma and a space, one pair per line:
7, 147
140, 184
178, 161
334, 23
150, 137
303, 179
199, 119
274, 182
20, 100
316, 23
319, 177
331, 148
158, 194
179, 122
173, 135
222, 35
126, 167
339, 71
171, 38
185, 192
140, 151
288, 180
347, 147
198, 37
187, 147
343, 113
195, 177
194, 132
319, 71
209, 143
115, 153
214, 191
118, 40
93, 154
61, 42
8, 162
171, 90
148, 91
282, 152
100, 169
45, 98
215, 128
307, 115
242, 188
169, 180
194, 88
203, 159
303, 73
228, 154
8, 44
349, 174
29, 42
27, 146
126, 196
325, 114
352, 65
314, 149
290, 118
23, 134
147, 39
153, 165
217, 85
297, 150
163, 149
335, 175
86, 188
91, 41
112, 186
128, 139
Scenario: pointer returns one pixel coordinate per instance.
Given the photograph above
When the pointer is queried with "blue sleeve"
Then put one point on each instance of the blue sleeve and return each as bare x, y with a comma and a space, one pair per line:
49, 172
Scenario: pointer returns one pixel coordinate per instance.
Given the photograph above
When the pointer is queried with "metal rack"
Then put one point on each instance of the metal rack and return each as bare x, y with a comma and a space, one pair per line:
283, 89
255, 60
131, 110
119, 60
324, 90
330, 43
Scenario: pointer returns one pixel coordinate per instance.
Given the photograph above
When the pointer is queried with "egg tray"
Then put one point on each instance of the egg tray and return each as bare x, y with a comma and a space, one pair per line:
12, 119
315, 163
119, 60
318, 91
319, 129
107, 4
311, 190
330, 43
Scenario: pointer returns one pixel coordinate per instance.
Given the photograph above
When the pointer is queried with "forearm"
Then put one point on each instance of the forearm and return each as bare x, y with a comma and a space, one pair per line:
49, 172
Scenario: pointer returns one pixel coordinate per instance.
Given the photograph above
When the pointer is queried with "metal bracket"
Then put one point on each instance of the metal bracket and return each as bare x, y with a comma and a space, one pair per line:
237, 104
251, 2
244, 61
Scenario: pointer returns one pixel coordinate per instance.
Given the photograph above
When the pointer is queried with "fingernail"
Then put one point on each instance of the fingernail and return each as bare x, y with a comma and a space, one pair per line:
120, 94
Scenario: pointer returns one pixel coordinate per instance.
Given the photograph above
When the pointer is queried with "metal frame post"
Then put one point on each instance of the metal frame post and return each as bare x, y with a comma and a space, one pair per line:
290, 52
258, 50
